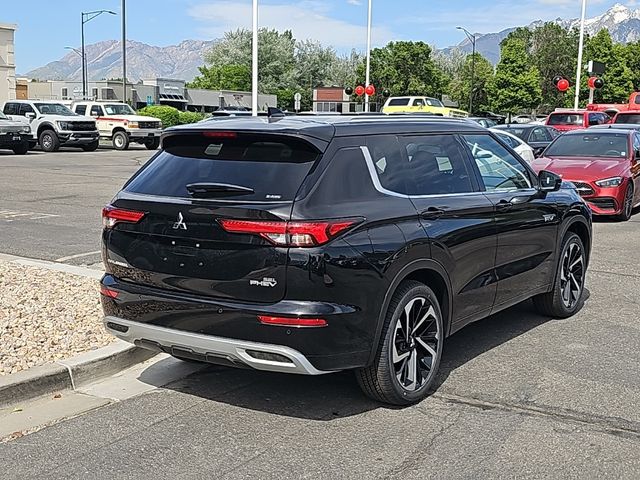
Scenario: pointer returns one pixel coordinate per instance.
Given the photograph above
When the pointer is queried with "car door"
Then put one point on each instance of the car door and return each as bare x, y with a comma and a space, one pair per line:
526, 221
635, 167
457, 218
539, 138
102, 123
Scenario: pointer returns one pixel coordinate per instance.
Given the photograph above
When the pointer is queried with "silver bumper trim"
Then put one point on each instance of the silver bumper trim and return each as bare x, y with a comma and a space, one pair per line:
235, 350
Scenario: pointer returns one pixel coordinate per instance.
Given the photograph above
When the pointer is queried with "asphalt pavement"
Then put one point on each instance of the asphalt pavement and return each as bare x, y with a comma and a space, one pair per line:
518, 396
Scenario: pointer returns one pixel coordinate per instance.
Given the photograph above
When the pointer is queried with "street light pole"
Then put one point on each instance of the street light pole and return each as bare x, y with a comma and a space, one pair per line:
254, 62
87, 17
472, 39
368, 70
79, 53
580, 49
124, 51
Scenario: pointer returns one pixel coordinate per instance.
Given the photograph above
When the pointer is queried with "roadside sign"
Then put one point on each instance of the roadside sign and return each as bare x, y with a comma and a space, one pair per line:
596, 68
297, 97
149, 100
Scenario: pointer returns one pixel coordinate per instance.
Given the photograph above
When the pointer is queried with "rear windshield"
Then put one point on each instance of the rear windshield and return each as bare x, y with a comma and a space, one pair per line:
273, 167
628, 117
518, 132
604, 144
566, 119
398, 102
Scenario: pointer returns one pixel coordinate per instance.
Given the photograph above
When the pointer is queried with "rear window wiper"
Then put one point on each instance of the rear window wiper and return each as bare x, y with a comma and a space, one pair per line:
208, 190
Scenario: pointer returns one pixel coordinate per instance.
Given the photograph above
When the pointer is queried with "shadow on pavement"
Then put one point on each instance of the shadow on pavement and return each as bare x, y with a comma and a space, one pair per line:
333, 396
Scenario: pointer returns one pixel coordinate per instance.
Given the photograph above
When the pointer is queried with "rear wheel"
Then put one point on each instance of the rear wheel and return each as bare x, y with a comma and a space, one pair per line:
152, 144
120, 141
91, 147
410, 348
627, 204
566, 297
21, 148
49, 141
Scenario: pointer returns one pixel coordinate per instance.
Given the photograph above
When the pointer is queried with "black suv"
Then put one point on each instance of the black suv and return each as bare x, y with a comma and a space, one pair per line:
310, 245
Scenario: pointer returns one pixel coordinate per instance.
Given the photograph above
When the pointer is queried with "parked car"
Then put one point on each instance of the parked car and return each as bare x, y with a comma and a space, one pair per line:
241, 243
627, 117
14, 135
120, 124
565, 121
604, 165
484, 122
519, 146
538, 137
421, 105
53, 125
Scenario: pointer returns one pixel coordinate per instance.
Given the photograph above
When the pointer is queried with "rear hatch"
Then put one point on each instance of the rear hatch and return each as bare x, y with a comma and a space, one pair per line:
169, 227
565, 121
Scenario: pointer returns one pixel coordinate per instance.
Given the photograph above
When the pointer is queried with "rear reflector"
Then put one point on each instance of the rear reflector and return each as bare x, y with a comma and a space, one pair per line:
290, 234
292, 322
107, 292
112, 216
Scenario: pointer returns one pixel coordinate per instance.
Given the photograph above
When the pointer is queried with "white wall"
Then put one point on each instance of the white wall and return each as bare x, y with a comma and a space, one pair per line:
7, 63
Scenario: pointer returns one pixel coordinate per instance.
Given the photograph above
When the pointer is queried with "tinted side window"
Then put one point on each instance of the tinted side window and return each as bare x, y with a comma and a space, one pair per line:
391, 166
96, 111
437, 164
25, 108
498, 168
81, 109
418, 102
10, 109
398, 102
636, 142
540, 135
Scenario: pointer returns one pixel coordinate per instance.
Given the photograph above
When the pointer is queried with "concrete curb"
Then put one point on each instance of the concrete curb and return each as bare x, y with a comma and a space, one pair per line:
58, 267
70, 373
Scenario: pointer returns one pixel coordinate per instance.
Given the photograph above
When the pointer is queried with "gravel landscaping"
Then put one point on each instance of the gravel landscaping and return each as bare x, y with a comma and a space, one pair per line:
46, 316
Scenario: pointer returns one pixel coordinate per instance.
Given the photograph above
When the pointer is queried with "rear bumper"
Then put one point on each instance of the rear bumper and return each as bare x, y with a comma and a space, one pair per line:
261, 356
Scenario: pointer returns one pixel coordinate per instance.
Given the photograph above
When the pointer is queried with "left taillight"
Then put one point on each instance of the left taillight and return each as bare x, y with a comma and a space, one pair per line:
111, 216
290, 234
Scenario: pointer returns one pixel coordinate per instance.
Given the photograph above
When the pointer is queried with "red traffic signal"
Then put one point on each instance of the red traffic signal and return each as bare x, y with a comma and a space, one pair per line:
563, 85
359, 90
591, 82
370, 90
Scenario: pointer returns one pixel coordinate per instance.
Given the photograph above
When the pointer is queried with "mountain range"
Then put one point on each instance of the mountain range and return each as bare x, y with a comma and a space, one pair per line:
182, 61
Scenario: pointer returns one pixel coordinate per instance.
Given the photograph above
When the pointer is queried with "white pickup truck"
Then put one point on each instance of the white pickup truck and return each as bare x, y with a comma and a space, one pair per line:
53, 125
120, 124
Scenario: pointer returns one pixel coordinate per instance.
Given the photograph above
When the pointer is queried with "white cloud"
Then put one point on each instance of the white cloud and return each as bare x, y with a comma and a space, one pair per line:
306, 19
354, 2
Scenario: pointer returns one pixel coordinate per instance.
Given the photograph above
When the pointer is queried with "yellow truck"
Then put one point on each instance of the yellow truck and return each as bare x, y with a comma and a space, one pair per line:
421, 105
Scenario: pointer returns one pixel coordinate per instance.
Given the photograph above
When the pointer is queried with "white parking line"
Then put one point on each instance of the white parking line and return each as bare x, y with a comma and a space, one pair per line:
79, 255
11, 215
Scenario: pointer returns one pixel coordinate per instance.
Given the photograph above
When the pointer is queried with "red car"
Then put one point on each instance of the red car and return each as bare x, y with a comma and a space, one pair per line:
603, 164
576, 119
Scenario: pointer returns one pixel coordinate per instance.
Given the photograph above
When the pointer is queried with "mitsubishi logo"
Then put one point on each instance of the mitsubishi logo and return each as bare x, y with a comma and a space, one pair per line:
180, 225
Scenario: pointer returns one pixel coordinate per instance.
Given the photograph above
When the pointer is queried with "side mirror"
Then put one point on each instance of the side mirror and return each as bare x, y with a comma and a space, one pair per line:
549, 181
30, 115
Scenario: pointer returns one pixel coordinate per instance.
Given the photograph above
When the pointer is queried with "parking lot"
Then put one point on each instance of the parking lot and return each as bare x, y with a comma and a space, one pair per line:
519, 395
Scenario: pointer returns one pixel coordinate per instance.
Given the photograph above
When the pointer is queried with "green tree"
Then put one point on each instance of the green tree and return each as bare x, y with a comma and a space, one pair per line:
460, 87
632, 60
405, 68
515, 87
618, 78
223, 77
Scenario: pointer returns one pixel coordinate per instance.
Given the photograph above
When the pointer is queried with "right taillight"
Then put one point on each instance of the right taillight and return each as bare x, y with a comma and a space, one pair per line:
111, 216
290, 234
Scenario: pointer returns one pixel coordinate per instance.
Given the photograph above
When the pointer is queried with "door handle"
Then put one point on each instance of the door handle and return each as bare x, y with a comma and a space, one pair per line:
503, 205
432, 213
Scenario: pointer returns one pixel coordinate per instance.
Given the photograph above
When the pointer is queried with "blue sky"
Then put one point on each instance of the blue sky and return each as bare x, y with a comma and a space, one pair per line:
45, 27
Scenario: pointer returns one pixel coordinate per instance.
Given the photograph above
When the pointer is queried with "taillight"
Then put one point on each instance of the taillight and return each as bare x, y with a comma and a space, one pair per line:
214, 134
112, 216
292, 322
290, 234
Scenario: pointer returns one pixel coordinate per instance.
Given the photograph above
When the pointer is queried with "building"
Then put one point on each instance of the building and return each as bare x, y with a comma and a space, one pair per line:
7, 63
157, 91
335, 100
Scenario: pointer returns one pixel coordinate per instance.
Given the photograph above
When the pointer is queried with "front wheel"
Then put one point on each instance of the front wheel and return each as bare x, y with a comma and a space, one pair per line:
120, 141
566, 298
49, 141
410, 348
152, 143
627, 204
21, 148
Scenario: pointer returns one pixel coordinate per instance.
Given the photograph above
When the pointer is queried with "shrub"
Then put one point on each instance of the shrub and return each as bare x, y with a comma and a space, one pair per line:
190, 117
170, 116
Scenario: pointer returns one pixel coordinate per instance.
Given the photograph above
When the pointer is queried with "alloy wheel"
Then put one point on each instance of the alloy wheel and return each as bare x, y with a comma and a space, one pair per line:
47, 141
628, 202
415, 344
572, 275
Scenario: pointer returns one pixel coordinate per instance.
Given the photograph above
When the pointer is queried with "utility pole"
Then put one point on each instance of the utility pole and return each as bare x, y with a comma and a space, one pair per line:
84, 18
580, 49
366, 82
254, 62
124, 51
472, 39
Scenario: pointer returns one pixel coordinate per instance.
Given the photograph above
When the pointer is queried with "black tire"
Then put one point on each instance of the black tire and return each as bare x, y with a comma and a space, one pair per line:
153, 143
627, 205
32, 145
91, 147
380, 380
49, 141
557, 303
120, 141
21, 148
